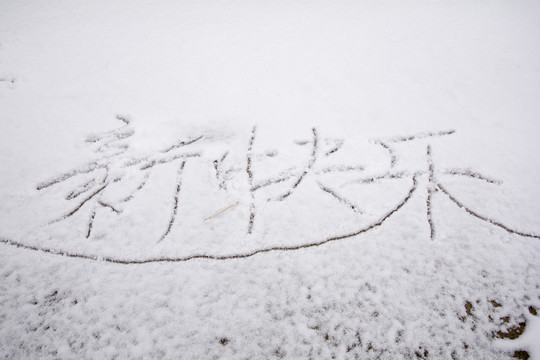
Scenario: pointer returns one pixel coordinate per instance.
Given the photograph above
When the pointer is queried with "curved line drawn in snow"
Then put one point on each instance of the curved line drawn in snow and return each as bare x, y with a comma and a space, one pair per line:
116, 166
225, 257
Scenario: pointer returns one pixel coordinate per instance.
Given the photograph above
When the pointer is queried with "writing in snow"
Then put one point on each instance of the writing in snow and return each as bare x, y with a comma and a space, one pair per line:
108, 185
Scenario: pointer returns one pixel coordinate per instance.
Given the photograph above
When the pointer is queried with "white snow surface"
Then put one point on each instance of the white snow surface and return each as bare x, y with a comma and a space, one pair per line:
270, 179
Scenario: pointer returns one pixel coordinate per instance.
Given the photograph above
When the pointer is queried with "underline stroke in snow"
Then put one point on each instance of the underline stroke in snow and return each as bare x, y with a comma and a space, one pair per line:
214, 257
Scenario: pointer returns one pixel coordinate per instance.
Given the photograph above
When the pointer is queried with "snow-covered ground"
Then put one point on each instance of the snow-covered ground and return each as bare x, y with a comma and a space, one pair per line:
269, 179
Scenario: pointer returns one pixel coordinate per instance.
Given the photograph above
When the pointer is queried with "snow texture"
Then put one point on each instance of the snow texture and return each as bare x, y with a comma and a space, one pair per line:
254, 180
